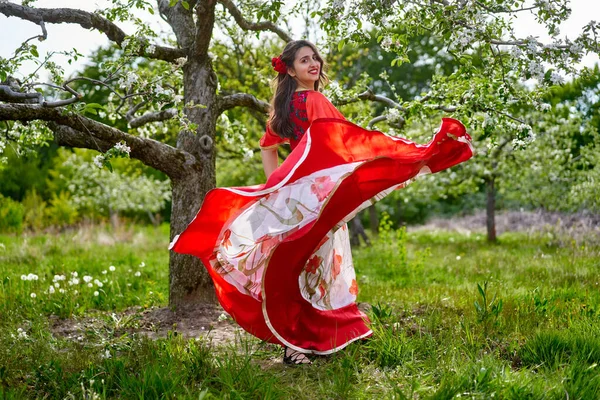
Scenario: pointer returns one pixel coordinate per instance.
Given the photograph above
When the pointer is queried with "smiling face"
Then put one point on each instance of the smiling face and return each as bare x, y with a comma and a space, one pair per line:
307, 68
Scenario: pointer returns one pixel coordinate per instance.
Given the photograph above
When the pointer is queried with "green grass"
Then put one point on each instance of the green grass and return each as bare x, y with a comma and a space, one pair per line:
453, 317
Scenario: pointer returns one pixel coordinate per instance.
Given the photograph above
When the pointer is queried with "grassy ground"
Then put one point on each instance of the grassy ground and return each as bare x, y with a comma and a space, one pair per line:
453, 316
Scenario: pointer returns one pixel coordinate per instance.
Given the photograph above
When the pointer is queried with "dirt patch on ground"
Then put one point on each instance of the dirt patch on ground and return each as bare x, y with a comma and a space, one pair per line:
191, 322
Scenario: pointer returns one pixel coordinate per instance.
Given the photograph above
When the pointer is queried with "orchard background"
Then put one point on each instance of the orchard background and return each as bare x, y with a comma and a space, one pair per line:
482, 279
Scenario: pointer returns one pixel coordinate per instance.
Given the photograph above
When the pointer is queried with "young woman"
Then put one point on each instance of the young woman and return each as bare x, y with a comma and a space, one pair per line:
279, 253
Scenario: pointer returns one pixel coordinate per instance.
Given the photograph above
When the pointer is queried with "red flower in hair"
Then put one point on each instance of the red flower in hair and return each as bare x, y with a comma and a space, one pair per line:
279, 65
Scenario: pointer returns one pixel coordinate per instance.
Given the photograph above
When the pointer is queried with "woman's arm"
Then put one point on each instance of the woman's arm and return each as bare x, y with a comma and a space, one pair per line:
270, 160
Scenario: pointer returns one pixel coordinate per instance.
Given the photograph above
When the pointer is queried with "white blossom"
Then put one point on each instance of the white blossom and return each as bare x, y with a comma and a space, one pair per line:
556, 79
51, 289
98, 283
138, 273
21, 334
123, 147
96, 293
59, 278
33, 295
151, 49
99, 160
111, 268
87, 278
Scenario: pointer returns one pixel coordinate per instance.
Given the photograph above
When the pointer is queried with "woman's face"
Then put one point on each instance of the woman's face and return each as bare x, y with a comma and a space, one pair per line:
307, 68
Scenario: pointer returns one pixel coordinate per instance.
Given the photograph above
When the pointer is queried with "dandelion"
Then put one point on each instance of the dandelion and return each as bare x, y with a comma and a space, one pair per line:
90, 285
61, 290
138, 273
142, 264
59, 278
104, 272
33, 295
87, 278
96, 293
457, 258
56, 285
23, 277
98, 283
51, 290
74, 273
21, 334
112, 268
29, 277
73, 281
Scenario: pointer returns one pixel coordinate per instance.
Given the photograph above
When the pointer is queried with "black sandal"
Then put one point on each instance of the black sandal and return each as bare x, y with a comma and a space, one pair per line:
295, 357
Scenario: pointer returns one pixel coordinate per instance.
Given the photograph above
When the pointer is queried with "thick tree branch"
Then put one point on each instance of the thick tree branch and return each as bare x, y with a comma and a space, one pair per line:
152, 117
243, 100
87, 133
86, 20
181, 21
251, 26
205, 13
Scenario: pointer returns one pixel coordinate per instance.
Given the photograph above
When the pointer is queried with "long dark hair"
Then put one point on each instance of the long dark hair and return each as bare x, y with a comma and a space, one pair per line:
284, 87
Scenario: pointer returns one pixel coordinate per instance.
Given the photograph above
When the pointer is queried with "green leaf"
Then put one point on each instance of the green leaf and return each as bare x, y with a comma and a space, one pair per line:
108, 165
172, 3
185, 4
151, 10
34, 51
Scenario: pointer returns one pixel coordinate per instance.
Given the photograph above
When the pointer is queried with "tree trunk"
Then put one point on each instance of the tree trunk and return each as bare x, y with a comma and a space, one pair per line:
491, 209
373, 220
189, 282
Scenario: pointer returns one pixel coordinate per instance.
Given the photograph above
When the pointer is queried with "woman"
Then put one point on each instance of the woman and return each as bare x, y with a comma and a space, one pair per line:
279, 253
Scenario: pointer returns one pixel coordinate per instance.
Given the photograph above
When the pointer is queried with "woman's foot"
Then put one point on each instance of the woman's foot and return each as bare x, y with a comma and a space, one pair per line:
294, 357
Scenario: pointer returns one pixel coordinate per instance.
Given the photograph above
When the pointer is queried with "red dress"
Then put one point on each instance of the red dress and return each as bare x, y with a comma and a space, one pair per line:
279, 253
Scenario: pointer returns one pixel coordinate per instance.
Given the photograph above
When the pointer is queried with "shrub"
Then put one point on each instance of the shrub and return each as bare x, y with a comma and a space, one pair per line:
11, 215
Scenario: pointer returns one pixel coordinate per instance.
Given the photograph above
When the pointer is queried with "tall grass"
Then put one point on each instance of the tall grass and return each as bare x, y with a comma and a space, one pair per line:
452, 316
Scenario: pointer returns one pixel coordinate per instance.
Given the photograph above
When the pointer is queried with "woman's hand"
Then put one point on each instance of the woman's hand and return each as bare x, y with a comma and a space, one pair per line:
270, 160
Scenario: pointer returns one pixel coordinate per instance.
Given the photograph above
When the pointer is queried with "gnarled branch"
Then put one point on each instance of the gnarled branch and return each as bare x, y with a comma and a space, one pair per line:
86, 20
243, 100
253, 26
79, 131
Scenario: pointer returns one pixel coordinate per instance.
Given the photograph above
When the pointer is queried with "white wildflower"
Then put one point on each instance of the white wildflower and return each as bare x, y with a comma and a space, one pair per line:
96, 293
138, 273
21, 334
23, 277
98, 283
87, 278
90, 285
457, 258
74, 273
58, 278
142, 264
151, 49
222, 317
56, 285
104, 272
51, 289
33, 295
111, 268
61, 290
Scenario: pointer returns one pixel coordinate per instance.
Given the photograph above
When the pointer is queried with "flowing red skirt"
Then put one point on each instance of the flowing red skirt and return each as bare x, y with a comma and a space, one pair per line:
278, 252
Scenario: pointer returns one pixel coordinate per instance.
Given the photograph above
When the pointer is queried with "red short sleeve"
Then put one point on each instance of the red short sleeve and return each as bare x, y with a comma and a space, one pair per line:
270, 139
318, 106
